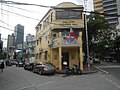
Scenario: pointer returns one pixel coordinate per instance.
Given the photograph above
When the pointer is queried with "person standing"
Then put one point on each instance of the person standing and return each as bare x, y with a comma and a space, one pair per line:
2, 66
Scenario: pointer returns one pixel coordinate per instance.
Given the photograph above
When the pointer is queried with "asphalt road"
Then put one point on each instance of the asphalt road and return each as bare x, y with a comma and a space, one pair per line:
16, 78
113, 71
111, 68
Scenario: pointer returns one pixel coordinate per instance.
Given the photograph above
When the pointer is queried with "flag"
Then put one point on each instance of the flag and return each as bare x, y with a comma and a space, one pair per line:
73, 33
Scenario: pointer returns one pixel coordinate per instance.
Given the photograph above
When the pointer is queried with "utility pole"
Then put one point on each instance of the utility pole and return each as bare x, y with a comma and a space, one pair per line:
86, 32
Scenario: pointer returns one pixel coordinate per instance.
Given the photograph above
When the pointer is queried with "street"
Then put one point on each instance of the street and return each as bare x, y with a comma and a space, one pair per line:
111, 68
16, 78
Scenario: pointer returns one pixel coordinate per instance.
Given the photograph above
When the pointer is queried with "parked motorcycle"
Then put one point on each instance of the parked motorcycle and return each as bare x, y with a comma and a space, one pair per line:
77, 70
69, 71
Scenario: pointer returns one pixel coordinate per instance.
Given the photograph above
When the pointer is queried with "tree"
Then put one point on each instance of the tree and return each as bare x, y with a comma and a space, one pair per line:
98, 28
117, 48
99, 34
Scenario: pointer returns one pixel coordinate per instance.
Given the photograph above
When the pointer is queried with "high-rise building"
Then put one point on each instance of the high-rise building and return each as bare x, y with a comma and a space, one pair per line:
109, 7
11, 45
118, 6
98, 5
30, 47
11, 42
0, 36
19, 36
1, 43
30, 37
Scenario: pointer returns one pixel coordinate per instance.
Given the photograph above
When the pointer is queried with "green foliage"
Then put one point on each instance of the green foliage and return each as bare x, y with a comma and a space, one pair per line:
98, 28
3, 55
15, 55
117, 42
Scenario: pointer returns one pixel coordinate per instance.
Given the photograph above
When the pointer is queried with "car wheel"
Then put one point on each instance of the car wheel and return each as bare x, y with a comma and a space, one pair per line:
40, 72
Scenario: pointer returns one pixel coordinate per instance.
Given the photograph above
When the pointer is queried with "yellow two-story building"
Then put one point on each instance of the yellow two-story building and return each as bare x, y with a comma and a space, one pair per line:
59, 36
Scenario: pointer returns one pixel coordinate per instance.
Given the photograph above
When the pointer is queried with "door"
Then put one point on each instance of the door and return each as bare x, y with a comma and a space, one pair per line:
65, 59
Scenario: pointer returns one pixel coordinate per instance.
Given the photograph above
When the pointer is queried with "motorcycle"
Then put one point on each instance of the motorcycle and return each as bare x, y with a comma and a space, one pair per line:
77, 70
69, 71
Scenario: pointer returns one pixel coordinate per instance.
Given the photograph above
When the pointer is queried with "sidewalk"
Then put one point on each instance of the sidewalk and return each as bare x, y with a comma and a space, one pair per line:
86, 70
89, 70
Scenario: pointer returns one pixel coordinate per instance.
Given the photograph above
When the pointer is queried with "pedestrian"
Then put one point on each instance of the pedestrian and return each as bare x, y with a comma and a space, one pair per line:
91, 61
2, 66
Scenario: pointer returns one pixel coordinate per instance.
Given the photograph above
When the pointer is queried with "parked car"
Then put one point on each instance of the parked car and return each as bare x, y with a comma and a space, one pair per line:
96, 60
108, 59
20, 64
44, 68
14, 62
29, 66
8, 63
1, 63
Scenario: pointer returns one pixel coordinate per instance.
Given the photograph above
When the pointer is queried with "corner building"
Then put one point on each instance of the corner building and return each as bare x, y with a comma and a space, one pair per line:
59, 36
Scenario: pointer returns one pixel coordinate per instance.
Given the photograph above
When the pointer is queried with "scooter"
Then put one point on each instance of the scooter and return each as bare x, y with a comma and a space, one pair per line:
77, 70
69, 71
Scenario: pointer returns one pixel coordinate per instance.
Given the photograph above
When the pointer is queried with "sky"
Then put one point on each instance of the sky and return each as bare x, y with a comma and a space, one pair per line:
28, 16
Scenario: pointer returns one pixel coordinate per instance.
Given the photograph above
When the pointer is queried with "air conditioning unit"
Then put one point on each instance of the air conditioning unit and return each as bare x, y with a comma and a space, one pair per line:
49, 42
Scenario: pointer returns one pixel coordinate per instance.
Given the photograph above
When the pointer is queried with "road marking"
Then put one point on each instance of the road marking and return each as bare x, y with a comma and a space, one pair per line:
109, 66
109, 80
46, 83
102, 70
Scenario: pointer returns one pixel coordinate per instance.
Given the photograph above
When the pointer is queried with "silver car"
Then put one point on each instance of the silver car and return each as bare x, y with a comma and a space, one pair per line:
44, 68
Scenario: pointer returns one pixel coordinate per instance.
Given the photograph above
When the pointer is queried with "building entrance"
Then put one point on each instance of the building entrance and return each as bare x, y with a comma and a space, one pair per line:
65, 59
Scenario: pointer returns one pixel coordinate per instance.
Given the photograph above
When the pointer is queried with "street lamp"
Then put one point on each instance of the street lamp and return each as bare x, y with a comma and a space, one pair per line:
86, 32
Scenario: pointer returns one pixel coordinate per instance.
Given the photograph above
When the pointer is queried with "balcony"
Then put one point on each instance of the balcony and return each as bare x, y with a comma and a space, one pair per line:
66, 42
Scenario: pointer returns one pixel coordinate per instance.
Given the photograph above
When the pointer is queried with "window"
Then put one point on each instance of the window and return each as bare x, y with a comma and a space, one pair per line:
46, 22
69, 14
51, 16
46, 55
37, 42
39, 55
40, 40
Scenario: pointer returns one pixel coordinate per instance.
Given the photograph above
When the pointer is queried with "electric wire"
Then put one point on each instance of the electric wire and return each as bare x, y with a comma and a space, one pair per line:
19, 3
6, 23
12, 30
31, 11
54, 7
20, 14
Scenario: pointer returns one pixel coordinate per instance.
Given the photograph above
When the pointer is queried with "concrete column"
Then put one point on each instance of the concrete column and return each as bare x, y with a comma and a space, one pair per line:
60, 58
81, 59
81, 53
51, 55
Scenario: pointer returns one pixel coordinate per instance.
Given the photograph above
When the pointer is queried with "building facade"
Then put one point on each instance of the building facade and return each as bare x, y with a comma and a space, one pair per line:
59, 36
19, 36
10, 42
30, 47
1, 43
118, 6
11, 45
98, 5
109, 7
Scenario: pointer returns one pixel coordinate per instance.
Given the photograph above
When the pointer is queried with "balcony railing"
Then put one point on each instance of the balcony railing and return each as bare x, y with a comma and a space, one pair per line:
66, 41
